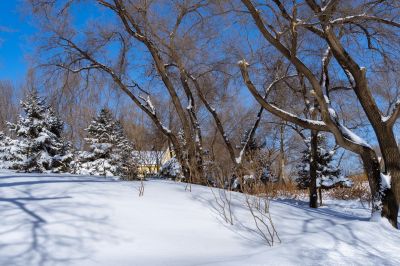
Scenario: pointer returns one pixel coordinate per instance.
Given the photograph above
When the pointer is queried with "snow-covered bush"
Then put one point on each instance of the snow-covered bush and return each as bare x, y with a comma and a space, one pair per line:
8, 153
248, 182
233, 183
110, 151
172, 169
97, 167
257, 172
267, 175
328, 175
40, 146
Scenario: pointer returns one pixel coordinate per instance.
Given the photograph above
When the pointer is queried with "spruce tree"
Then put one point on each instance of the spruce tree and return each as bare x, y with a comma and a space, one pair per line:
172, 169
122, 154
110, 151
9, 153
40, 146
328, 175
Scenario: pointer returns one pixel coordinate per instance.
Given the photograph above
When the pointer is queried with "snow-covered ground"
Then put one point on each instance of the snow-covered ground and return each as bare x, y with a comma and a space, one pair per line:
80, 220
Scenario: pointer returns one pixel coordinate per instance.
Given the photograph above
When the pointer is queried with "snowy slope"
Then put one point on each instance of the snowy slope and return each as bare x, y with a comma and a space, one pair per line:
79, 220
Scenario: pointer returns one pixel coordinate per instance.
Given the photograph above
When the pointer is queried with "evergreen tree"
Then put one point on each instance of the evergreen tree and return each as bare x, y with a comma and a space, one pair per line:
254, 144
123, 153
267, 175
8, 152
328, 175
172, 169
40, 146
110, 151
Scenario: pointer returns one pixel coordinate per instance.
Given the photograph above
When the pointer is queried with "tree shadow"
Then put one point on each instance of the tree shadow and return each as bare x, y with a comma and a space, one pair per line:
46, 179
321, 210
41, 226
310, 221
242, 230
320, 235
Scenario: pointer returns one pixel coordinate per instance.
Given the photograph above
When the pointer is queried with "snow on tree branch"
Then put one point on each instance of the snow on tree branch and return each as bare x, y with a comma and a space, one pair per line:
306, 123
347, 133
77, 70
148, 104
243, 63
392, 118
364, 16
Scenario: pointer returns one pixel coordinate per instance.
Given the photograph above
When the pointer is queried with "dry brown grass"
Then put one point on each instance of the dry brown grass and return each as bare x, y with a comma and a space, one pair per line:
359, 191
276, 190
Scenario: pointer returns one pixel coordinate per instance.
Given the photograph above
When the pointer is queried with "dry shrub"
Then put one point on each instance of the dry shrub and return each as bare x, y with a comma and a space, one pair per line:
272, 190
223, 199
222, 196
284, 190
259, 209
359, 191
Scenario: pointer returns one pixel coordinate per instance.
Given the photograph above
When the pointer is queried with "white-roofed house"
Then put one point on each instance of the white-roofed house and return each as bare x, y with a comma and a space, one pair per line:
150, 162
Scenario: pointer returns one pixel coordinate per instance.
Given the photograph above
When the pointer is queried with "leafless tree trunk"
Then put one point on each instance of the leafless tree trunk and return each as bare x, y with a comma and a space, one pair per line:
7, 108
313, 169
281, 176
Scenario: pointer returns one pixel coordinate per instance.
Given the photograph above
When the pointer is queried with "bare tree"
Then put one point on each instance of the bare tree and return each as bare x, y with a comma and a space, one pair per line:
83, 58
172, 44
333, 23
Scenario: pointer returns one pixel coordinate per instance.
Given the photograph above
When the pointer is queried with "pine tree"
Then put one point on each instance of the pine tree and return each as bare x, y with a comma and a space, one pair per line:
254, 145
9, 154
123, 154
172, 169
110, 151
40, 146
328, 175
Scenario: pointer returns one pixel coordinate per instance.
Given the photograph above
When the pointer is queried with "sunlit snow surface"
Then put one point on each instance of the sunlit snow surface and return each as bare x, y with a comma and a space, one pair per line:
85, 221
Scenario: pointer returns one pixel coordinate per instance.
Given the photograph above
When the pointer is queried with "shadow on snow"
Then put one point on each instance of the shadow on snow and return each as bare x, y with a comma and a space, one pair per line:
28, 227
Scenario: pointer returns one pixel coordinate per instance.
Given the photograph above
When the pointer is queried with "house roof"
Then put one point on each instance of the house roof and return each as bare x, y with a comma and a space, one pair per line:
148, 157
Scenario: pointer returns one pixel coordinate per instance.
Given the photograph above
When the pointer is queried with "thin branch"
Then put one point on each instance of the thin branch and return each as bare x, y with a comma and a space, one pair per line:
306, 123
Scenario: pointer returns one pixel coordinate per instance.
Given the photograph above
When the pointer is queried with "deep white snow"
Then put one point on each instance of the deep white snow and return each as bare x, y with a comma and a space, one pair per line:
85, 221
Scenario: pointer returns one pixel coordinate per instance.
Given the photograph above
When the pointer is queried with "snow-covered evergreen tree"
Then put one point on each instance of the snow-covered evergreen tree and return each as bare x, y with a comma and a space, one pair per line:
253, 144
328, 175
267, 175
40, 146
123, 154
8, 152
110, 151
172, 169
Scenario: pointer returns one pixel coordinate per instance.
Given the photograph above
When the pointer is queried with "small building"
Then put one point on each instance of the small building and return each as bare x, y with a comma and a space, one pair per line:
150, 162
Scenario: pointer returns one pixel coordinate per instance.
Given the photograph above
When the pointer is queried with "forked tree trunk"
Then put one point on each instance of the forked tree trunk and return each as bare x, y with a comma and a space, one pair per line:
313, 170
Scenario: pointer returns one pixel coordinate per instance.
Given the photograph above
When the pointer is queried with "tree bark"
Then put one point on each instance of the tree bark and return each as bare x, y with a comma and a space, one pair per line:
391, 158
281, 177
320, 196
313, 169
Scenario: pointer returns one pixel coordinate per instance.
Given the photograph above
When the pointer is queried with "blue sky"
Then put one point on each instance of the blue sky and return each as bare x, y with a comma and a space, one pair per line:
15, 44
